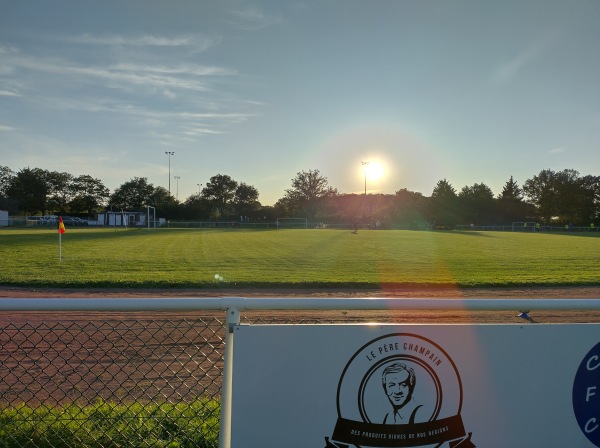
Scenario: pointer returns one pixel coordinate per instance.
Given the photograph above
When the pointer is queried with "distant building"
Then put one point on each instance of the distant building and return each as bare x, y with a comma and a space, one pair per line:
3, 218
123, 218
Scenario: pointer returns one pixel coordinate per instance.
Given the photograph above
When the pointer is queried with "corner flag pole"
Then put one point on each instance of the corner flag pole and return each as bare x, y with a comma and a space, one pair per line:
61, 230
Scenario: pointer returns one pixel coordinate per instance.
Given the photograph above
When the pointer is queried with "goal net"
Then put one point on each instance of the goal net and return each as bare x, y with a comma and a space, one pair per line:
291, 223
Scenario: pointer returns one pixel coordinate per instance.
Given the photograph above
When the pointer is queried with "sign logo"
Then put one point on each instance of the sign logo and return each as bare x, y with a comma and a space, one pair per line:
399, 390
586, 395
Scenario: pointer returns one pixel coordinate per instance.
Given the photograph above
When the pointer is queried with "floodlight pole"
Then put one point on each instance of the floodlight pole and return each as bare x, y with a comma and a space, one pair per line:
199, 185
364, 164
169, 154
177, 194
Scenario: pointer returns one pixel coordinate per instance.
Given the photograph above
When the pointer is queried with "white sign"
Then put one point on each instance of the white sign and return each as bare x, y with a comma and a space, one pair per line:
456, 386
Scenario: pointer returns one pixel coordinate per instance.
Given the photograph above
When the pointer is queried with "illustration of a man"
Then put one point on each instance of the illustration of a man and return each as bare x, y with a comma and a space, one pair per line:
399, 384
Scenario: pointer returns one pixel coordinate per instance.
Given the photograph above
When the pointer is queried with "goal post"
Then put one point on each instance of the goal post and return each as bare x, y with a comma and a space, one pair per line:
291, 223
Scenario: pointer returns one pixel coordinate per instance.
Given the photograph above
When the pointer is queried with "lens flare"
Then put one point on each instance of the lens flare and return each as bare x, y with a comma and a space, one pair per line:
374, 170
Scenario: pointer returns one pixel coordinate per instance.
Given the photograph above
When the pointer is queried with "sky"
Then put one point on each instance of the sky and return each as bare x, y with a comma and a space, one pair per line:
469, 91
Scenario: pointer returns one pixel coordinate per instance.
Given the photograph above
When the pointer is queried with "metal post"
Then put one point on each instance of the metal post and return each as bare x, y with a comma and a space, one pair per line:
177, 190
169, 154
365, 170
233, 319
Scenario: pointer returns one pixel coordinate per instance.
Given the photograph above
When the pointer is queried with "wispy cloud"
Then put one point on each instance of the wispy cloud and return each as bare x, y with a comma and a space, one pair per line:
191, 69
198, 42
8, 93
4, 128
163, 89
252, 18
200, 131
510, 69
127, 74
558, 150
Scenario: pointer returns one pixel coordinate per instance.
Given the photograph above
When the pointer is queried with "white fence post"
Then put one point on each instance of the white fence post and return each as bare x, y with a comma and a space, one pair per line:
233, 318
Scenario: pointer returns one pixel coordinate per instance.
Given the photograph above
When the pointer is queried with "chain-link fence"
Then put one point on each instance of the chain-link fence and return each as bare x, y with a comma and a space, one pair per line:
103, 379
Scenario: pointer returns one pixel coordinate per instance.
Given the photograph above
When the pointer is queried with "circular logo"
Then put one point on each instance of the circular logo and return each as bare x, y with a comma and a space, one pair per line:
399, 390
586, 395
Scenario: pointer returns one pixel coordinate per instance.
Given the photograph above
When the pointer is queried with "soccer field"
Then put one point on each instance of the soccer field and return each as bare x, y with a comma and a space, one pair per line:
212, 258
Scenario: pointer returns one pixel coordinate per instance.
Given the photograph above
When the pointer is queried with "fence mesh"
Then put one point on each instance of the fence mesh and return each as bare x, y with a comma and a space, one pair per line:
110, 380
117, 380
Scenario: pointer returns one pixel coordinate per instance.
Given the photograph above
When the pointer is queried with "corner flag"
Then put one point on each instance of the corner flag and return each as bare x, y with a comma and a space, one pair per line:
61, 230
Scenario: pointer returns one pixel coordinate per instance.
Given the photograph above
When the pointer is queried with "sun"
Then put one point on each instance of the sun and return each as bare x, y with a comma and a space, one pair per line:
373, 170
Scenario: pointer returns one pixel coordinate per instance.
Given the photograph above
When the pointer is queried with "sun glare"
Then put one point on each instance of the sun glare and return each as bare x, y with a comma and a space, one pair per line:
373, 170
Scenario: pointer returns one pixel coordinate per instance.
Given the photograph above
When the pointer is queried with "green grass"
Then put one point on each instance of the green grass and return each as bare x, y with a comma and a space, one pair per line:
212, 258
182, 425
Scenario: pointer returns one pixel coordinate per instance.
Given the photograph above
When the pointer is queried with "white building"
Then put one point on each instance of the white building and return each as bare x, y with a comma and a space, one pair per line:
122, 219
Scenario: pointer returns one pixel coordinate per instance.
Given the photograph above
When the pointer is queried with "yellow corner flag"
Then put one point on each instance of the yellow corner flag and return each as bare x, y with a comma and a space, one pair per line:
61, 225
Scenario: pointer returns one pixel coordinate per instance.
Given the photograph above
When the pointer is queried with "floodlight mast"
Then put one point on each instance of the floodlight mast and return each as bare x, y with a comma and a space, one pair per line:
177, 194
365, 164
169, 154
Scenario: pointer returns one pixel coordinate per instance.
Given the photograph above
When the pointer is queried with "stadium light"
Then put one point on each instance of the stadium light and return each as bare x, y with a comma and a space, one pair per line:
365, 164
177, 194
199, 185
169, 154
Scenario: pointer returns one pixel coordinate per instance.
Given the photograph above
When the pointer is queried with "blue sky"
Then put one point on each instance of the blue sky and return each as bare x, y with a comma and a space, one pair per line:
468, 90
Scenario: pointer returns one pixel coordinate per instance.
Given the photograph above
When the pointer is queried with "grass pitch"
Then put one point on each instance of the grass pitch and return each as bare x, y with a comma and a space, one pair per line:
212, 258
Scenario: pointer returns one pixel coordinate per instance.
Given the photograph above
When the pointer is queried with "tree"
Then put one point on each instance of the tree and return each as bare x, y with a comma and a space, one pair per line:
245, 200
89, 194
511, 191
443, 204
166, 203
59, 189
133, 194
409, 207
511, 206
541, 191
29, 190
220, 191
160, 198
309, 193
590, 207
6, 177
477, 204
560, 195
347, 207
570, 196
197, 207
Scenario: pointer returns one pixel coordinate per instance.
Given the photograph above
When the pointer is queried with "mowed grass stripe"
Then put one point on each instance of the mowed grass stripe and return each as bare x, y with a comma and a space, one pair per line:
208, 258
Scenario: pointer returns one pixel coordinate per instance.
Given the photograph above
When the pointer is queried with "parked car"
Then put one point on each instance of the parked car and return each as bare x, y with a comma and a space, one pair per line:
33, 220
72, 221
49, 219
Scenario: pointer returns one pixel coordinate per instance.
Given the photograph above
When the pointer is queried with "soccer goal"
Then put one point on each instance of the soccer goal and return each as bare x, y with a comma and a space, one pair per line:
292, 223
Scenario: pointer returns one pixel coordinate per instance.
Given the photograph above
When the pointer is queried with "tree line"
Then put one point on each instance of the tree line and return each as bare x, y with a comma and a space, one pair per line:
560, 197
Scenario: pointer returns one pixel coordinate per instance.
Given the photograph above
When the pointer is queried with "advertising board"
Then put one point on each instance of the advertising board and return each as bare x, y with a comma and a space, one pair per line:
458, 386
